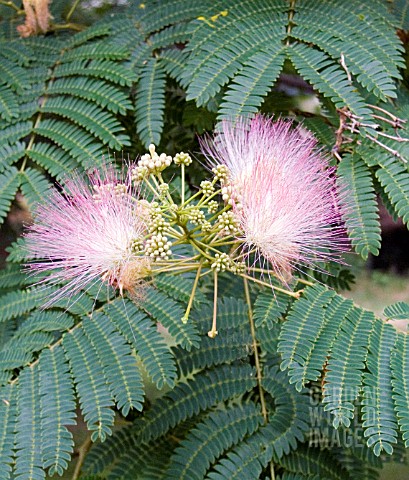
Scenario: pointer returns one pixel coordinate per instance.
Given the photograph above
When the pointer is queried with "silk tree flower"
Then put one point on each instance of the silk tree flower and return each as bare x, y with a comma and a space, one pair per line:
282, 191
90, 232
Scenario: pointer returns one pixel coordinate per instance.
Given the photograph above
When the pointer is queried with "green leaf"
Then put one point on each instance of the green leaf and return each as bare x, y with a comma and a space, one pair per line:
100, 92
149, 344
394, 178
326, 77
9, 108
289, 420
397, 311
106, 69
150, 103
254, 81
210, 438
90, 384
16, 303
299, 332
269, 308
99, 122
187, 399
120, 368
34, 186
28, 427
169, 314
9, 183
345, 366
379, 423
57, 410
400, 384
7, 429
360, 205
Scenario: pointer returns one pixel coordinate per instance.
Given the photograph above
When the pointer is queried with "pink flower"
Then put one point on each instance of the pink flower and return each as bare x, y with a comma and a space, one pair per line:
89, 233
282, 191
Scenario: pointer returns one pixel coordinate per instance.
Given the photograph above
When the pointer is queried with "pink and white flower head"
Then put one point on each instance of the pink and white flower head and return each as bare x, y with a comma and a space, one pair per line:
283, 193
90, 233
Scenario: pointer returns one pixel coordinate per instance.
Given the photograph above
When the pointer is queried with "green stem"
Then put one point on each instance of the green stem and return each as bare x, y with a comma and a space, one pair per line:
192, 295
290, 23
182, 188
11, 5
168, 195
256, 356
213, 332
185, 268
263, 270
265, 284
72, 9
196, 246
67, 26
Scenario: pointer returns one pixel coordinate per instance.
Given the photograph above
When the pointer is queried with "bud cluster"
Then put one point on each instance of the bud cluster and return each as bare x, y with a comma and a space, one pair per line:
196, 216
158, 247
228, 223
207, 188
221, 263
220, 173
150, 163
182, 159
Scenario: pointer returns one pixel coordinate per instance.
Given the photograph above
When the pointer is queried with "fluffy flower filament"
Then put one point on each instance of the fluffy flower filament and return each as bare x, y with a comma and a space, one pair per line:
278, 210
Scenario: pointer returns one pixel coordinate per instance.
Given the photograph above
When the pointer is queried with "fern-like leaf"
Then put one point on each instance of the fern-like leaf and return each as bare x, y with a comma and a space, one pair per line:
9, 183
7, 429
397, 311
57, 410
394, 178
11, 276
207, 441
346, 364
232, 345
149, 344
46, 321
18, 302
335, 314
400, 384
248, 89
326, 77
29, 461
100, 123
9, 108
120, 368
361, 209
10, 154
34, 186
96, 51
106, 69
314, 461
269, 308
150, 103
91, 386
79, 143
101, 93
378, 417
357, 39
54, 159
180, 288
300, 331
187, 399
169, 313
232, 313
245, 461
